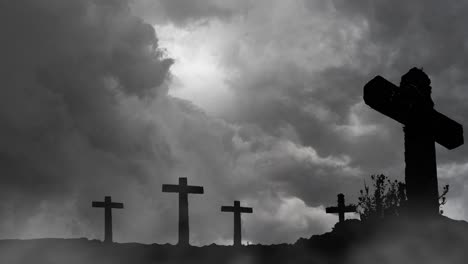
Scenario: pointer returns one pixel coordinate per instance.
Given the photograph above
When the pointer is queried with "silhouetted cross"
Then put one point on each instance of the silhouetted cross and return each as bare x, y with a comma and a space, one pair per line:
237, 210
183, 189
107, 205
341, 209
411, 104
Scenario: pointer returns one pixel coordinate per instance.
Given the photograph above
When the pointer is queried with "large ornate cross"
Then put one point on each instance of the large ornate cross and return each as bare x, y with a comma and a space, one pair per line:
411, 104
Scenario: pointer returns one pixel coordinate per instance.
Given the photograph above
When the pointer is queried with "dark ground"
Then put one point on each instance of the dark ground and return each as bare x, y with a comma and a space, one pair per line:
440, 240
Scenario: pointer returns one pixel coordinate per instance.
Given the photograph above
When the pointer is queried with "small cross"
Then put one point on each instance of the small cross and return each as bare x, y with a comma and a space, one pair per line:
183, 190
107, 205
341, 209
237, 210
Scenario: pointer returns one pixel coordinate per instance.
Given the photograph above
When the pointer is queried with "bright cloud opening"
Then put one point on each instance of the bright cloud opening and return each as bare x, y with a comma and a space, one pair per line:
197, 73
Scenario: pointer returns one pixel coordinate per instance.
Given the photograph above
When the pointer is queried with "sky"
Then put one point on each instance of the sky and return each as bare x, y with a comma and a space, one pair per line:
258, 101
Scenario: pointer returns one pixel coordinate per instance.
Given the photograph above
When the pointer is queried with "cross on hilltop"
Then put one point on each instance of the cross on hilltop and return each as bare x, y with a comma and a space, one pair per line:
341, 209
411, 104
183, 190
108, 205
237, 210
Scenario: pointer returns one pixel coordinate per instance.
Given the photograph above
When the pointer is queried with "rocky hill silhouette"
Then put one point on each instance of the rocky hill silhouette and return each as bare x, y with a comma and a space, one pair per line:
397, 240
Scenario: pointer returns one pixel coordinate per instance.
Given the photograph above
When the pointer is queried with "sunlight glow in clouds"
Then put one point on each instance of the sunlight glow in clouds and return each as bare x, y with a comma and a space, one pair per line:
197, 73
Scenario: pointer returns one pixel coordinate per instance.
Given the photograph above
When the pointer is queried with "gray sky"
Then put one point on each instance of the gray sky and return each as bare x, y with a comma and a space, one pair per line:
258, 101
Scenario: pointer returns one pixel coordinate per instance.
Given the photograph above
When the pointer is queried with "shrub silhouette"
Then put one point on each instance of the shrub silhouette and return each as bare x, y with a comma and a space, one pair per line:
387, 198
442, 197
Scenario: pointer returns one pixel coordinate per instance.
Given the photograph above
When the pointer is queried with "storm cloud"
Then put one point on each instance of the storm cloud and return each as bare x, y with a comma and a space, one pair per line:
86, 110
300, 67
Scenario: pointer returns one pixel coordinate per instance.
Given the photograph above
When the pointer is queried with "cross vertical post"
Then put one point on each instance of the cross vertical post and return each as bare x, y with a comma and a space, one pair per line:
184, 228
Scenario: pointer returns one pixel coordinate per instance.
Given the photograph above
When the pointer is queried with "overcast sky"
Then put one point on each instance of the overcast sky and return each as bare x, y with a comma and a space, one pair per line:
256, 100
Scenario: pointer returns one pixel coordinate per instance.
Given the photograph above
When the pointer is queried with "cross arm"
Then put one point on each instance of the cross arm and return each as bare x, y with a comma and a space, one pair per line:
117, 205
248, 210
332, 210
170, 188
227, 209
195, 189
379, 94
385, 97
98, 204
350, 209
448, 133
236, 209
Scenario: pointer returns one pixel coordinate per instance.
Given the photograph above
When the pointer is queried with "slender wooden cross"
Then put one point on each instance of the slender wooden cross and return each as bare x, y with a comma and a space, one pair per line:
237, 210
411, 104
107, 205
183, 190
341, 209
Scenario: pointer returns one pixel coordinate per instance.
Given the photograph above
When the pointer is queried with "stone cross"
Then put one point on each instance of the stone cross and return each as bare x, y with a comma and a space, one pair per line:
183, 190
237, 210
341, 209
411, 105
108, 205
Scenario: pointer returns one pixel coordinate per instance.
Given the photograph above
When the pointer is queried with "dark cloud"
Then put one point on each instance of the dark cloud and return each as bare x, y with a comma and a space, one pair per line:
185, 12
306, 67
84, 112
71, 71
